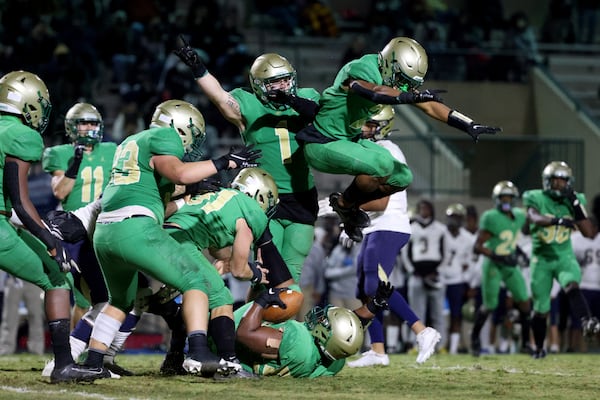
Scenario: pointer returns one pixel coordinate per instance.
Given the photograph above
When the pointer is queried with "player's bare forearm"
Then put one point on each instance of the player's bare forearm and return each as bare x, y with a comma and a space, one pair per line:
62, 186
259, 339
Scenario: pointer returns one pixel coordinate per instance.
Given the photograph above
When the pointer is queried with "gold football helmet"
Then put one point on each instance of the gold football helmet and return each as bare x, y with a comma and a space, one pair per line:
556, 169
337, 330
385, 122
268, 68
25, 94
187, 120
80, 113
403, 63
505, 188
456, 209
259, 185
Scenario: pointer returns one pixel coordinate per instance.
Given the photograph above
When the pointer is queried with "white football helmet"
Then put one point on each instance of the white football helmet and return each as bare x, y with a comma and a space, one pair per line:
268, 68
187, 120
259, 185
79, 113
25, 94
337, 331
403, 63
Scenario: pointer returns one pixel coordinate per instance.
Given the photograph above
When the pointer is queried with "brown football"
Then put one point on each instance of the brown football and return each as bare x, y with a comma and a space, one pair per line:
293, 301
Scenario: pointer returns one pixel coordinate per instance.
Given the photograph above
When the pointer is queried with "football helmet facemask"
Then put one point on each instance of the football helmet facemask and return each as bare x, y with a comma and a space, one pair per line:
384, 120
259, 185
403, 64
337, 331
505, 188
556, 169
82, 113
187, 120
269, 68
25, 94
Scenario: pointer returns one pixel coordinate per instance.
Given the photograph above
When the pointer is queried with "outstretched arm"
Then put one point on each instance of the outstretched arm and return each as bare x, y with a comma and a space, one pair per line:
225, 102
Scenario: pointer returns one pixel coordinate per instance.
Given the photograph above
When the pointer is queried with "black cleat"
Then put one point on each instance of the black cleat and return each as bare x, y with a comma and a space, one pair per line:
539, 354
207, 364
526, 349
173, 364
72, 373
352, 216
117, 369
234, 374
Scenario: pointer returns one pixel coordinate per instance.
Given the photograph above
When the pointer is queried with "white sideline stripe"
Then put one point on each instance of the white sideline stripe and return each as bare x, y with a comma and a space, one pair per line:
510, 370
81, 394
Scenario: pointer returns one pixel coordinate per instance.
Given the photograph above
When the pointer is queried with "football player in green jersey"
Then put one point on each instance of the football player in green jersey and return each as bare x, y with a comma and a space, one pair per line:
499, 229
80, 170
553, 212
317, 347
230, 223
333, 144
265, 121
129, 234
24, 111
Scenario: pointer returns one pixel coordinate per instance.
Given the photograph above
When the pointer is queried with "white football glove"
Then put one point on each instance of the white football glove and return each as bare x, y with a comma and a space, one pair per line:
345, 240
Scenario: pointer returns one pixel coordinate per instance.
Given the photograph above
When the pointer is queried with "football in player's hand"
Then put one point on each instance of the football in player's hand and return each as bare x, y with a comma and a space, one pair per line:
293, 301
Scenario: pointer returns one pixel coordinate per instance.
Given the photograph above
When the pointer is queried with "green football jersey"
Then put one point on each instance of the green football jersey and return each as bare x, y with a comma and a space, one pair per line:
274, 132
550, 241
133, 182
93, 175
19, 141
343, 113
299, 356
209, 219
505, 230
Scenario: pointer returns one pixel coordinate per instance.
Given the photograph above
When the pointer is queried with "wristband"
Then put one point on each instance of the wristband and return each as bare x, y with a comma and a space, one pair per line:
459, 120
179, 203
73, 169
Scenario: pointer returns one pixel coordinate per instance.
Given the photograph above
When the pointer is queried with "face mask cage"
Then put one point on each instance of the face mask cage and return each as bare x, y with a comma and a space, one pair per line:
194, 151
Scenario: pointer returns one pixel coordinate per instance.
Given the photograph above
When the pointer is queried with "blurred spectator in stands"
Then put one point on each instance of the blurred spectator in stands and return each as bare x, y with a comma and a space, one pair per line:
340, 273
486, 15
284, 13
558, 25
521, 41
312, 279
318, 19
472, 219
587, 18
130, 118
17, 292
385, 19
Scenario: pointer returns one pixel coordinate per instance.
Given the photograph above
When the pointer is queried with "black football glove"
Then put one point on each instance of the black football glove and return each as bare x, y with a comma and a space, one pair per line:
73, 169
63, 258
382, 295
189, 56
474, 130
568, 222
522, 258
205, 185
271, 297
509, 260
279, 97
242, 156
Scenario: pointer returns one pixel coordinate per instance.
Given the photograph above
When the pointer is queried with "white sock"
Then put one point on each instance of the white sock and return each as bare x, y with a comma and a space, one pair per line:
78, 346
454, 341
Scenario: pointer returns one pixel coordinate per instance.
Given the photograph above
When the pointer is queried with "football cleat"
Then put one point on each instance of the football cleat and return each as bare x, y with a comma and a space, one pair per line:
235, 372
116, 369
173, 364
539, 354
590, 326
370, 358
352, 216
78, 373
426, 341
208, 365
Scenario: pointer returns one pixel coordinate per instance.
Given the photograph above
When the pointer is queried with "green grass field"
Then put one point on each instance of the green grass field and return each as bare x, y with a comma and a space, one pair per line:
563, 376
